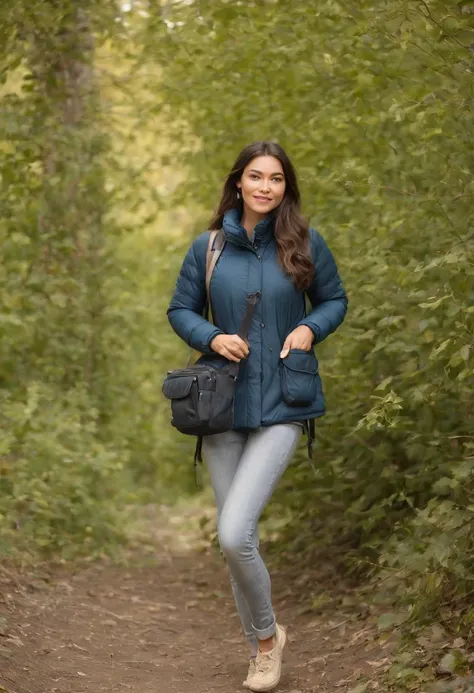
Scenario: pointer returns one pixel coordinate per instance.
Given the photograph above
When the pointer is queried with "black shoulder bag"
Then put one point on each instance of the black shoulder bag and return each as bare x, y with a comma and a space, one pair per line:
202, 395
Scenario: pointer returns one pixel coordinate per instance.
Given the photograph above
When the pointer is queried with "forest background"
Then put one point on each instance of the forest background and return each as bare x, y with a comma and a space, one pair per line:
118, 124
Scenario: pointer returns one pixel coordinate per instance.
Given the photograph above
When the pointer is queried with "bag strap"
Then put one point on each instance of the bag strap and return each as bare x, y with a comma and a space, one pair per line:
214, 251
309, 429
252, 300
197, 459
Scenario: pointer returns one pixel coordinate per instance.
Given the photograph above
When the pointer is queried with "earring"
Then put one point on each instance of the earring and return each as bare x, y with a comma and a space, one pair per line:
238, 194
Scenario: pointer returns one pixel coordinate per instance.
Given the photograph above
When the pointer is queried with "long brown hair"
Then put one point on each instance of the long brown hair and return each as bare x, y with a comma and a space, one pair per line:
291, 229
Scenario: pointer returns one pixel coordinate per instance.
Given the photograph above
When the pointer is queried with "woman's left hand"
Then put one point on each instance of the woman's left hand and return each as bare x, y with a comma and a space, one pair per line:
301, 338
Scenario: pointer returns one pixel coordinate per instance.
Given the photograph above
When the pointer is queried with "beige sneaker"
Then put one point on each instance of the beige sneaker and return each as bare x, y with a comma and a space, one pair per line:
268, 665
252, 670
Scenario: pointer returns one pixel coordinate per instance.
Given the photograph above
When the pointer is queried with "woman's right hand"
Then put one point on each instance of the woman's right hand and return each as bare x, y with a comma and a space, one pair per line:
231, 346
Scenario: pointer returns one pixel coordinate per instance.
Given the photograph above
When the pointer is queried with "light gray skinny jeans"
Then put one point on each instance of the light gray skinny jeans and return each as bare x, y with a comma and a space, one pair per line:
244, 469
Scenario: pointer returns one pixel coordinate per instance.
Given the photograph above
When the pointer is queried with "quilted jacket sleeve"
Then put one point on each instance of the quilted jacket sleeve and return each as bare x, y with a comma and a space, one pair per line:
187, 305
326, 292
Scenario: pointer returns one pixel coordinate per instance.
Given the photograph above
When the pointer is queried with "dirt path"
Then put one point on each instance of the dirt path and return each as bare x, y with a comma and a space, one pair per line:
166, 623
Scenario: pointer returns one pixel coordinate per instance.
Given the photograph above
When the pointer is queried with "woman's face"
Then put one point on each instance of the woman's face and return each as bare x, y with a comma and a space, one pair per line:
262, 184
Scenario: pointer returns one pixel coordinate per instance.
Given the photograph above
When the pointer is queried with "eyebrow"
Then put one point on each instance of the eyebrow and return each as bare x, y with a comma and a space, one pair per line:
278, 173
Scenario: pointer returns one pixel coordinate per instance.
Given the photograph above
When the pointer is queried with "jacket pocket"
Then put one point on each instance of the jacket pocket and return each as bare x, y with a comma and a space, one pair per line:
299, 378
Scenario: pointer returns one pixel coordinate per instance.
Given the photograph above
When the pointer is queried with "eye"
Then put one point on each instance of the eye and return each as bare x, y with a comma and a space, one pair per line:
254, 176
278, 180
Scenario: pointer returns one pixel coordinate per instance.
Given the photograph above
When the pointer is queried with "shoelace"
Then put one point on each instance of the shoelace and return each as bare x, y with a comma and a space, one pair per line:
264, 661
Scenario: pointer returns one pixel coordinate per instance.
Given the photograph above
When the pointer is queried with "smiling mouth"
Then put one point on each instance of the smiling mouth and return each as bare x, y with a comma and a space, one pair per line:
262, 199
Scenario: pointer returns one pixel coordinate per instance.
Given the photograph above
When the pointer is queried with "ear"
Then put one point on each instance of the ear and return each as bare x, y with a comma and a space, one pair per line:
238, 184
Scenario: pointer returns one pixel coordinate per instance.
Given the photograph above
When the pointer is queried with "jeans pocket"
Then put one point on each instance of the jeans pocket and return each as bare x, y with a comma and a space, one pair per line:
299, 378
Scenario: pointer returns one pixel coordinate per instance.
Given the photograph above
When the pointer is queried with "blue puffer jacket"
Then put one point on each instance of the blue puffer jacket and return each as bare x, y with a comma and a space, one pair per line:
269, 390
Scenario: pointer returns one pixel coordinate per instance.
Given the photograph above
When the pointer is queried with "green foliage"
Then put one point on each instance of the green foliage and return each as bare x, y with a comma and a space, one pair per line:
59, 481
56, 477
141, 348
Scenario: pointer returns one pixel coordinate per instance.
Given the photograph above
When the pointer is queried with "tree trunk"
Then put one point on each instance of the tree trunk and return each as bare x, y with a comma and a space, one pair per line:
67, 128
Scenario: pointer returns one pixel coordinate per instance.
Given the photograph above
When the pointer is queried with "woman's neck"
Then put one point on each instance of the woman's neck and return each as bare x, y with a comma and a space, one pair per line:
250, 219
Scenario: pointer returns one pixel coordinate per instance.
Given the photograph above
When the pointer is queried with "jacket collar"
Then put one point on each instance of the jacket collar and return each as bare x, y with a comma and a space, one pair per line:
235, 232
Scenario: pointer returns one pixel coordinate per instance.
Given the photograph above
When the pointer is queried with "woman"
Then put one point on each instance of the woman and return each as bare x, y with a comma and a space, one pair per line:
269, 249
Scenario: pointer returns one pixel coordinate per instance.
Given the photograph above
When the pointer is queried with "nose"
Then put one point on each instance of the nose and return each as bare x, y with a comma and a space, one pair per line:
264, 187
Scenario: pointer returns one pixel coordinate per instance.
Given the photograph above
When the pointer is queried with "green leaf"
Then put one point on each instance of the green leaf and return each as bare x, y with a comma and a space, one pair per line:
388, 621
439, 349
447, 664
361, 688
434, 304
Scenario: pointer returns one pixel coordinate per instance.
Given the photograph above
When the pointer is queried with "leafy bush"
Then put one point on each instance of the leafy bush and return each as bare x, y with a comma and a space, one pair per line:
59, 485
